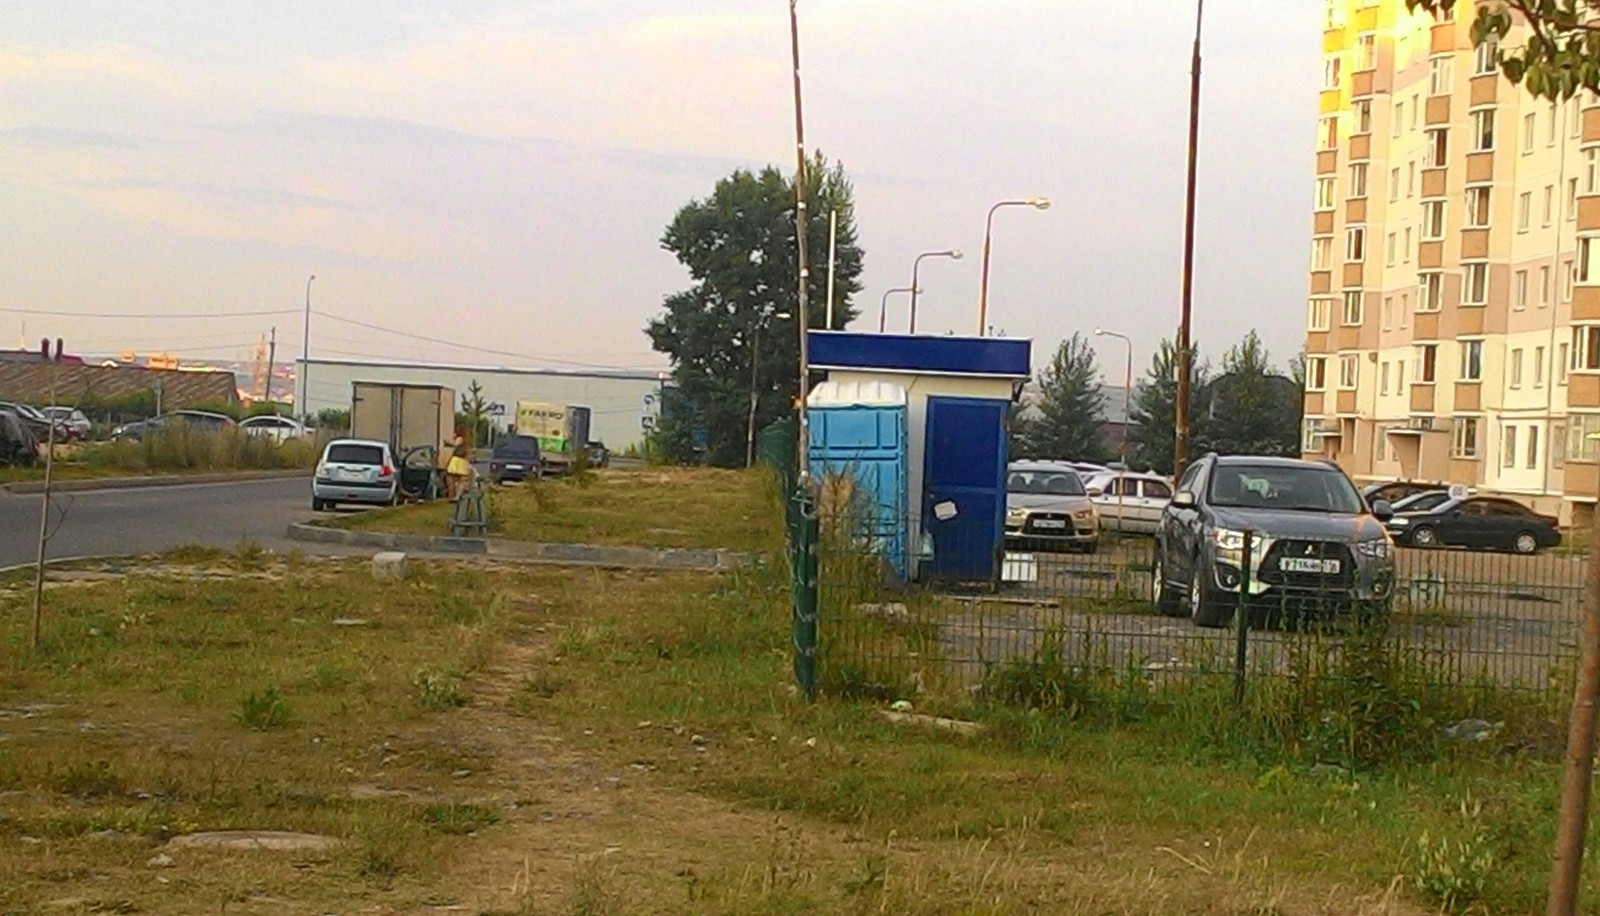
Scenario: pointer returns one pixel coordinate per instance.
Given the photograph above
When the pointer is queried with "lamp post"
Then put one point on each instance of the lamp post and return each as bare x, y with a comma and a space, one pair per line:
953, 254
305, 360
755, 363
883, 306
1038, 203
1127, 396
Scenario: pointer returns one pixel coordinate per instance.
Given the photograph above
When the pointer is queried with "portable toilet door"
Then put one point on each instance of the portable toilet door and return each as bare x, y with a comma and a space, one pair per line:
964, 487
857, 450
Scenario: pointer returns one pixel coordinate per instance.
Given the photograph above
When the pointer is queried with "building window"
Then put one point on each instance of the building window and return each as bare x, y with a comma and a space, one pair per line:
1482, 130
1438, 147
1411, 179
1430, 291
1325, 192
1574, 118
1588, 259
1516, 367
1399, 117
1549, 204
1544, 286
1362, 109
1349, 370
1322, 253
1586, 347
1471, 360
1508, 445
1405, 249
1352, 307
1572, 198
1478, 207
1432, 220
1316, 373
1441, 70
1591, 170
1485, 58
1416, 109
1580, 427
1355, 243
1464, 437
1566, 280
1524, 210
1399, 376
1533, 447
1530, 126
1389, 250
1561, 365
1383, 378
1538, 367
1330, 71
1445, 13
1366, 51
1427, 363
1519, 287
1553, 116
1320, 310
1394, 184
1558, 436
1475, 283
1328, 131
1358, 179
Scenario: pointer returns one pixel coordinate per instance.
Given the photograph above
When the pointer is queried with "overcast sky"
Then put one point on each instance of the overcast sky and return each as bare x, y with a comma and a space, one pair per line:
499, 173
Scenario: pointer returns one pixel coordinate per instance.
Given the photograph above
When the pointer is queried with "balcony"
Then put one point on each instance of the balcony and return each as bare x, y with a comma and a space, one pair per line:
1422, 397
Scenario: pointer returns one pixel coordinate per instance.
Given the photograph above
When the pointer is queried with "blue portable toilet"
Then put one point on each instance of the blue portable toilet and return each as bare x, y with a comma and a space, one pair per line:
959, 391
858, 449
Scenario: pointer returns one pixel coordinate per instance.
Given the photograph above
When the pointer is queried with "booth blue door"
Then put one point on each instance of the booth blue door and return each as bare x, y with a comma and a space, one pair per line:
964, 487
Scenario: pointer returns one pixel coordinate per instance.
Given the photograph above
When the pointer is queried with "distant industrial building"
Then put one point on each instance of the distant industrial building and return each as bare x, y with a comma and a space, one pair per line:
624, 403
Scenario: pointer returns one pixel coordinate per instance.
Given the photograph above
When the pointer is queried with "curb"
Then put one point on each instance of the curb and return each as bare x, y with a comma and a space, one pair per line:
661, 558
79, 484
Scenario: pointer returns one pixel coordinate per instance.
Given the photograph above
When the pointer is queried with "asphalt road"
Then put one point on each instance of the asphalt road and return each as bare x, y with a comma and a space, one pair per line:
98, 522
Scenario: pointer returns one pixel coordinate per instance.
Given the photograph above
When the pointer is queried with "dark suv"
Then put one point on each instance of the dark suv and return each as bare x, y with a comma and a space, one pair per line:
1315, 543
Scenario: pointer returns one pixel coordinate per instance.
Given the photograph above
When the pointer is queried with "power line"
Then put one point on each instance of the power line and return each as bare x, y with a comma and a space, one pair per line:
462, 346
187, 316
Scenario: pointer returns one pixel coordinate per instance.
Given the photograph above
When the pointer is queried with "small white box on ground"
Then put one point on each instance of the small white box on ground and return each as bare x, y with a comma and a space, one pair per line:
1020, 567
390, 564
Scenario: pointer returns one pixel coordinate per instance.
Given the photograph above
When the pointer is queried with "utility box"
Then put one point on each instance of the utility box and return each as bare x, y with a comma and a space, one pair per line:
408, 417
959, 392
858, 451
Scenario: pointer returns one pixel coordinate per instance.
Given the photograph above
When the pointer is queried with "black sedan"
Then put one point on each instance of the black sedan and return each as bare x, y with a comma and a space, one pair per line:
1396, 490
1481, 522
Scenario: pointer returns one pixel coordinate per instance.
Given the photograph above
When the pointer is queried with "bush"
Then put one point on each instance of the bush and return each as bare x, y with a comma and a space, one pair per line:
181, 448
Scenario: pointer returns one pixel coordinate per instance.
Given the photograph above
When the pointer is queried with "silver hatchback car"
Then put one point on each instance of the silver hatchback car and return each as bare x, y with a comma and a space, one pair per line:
355, 471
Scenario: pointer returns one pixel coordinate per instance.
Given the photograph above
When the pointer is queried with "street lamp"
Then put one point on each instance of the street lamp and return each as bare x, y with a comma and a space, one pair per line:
755, 362
1038, 203
953, 254
305, 360
883, 306
1127, 396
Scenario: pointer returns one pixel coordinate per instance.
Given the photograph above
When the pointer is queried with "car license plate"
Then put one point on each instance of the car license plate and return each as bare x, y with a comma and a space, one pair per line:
1049, 523
515, 467
351, 474
1305, 565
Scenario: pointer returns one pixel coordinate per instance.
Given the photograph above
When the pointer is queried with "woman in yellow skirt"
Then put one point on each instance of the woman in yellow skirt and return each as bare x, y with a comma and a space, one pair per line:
458, 469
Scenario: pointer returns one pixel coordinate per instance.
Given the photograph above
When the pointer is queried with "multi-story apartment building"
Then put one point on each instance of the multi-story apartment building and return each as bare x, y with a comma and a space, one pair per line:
1453, 326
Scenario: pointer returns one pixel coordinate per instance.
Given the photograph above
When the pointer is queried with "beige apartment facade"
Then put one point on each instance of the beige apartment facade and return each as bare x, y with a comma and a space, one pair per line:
1453, 322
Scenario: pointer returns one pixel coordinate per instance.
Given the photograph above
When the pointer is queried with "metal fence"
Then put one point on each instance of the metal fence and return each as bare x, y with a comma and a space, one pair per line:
1495, 623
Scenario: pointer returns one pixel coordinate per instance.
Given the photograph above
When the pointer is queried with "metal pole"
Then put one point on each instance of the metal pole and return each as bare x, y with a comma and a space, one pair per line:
805, 560
755, 361
914, 267
36, 627
1242, 645
801, 223
305, 360
883, 305
983, 279
1573, 816
1180, 445
833, 242
272, 357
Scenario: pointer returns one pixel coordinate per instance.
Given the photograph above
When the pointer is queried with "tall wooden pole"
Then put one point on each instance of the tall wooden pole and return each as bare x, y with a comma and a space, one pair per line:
1180, 445
1572, 820
37, 624
801, 222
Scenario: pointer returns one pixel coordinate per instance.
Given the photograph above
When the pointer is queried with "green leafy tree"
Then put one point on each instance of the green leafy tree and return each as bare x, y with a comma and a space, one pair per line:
1559, 52
474, 413
1067, 417
734, 329
1154, 411
1251, 410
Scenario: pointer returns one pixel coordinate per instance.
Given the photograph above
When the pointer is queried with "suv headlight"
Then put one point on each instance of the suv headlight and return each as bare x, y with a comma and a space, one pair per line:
1227, 539
1379, 549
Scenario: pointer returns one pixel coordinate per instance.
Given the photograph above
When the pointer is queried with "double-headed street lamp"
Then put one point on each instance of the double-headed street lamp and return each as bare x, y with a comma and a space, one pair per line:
755, 399
883, 305
953, 254
1038, 203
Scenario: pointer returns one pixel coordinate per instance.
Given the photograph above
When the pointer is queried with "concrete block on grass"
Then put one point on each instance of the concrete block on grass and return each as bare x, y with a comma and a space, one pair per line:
390, 564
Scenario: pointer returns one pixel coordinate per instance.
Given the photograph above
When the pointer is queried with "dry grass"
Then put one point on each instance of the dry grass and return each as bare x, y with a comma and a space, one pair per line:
650, 507
625, 743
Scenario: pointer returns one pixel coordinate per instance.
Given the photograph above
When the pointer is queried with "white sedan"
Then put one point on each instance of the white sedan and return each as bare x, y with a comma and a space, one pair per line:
1129, 503
278, 429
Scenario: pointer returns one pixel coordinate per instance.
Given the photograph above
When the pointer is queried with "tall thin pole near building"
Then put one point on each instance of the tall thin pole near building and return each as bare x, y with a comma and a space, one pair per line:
305, 360
800, 223
833, 254
1180, 444
272, 358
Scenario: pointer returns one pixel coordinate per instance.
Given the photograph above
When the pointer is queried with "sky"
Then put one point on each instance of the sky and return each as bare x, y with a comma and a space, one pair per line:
498, 174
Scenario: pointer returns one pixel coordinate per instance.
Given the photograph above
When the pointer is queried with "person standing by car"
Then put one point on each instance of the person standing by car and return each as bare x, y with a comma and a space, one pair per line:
458, 469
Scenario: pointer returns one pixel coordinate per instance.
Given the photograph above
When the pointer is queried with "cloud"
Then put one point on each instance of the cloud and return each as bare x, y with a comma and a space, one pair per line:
47, 137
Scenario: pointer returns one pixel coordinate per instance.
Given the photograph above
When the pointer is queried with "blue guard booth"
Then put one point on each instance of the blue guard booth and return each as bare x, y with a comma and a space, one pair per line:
958, 393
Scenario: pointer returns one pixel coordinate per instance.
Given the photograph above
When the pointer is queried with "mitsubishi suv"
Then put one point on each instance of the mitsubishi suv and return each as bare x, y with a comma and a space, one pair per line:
1315, 543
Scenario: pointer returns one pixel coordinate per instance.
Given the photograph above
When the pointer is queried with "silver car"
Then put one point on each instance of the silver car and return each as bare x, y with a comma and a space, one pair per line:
1129, 503
355, 471
1048, 508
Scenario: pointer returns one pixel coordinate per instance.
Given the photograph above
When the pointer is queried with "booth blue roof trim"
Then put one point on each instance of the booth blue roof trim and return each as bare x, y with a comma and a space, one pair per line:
1002, 357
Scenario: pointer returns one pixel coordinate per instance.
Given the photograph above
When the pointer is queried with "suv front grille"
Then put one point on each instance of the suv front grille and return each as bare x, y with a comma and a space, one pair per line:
1271, 571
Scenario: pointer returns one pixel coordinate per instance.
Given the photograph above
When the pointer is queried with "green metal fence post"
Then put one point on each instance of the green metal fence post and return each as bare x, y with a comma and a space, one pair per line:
804, 564
1241, 647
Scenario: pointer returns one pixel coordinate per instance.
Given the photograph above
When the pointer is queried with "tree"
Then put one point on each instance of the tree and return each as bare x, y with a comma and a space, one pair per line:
1068, 415
1154, 411
1251, 409
1560, 53
735, 328
474, 413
